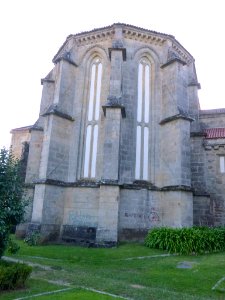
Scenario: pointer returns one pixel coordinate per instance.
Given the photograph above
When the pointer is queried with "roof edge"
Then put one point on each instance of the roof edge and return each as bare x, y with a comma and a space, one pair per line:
212, 111
21, 128
114, 25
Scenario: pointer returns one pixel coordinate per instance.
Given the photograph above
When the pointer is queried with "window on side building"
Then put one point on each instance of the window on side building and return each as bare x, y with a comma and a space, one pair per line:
222, 164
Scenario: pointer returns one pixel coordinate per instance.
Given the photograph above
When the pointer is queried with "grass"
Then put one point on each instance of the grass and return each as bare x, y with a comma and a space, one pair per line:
110, 271
34, 286
76, 294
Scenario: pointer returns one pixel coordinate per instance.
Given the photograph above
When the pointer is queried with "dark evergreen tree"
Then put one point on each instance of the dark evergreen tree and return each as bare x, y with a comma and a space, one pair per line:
12, 205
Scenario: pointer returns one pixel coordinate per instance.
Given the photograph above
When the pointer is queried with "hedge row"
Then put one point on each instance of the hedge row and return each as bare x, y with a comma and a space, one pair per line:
194, 240
13, 275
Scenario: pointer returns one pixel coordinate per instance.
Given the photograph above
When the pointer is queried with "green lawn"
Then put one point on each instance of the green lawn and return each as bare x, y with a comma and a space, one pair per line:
111, 271
34, 286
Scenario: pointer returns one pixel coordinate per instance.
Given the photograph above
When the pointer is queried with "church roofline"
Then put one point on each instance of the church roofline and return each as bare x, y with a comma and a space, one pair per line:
212, 111
21, 128
124, 26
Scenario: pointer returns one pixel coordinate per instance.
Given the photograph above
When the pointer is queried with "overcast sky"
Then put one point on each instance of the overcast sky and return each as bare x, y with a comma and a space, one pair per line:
32, 31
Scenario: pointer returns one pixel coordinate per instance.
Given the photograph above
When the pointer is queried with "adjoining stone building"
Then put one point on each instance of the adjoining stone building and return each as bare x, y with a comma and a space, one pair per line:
121, 144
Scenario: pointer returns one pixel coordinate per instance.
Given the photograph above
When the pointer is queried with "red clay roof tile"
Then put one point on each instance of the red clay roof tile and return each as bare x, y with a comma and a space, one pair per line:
215, 133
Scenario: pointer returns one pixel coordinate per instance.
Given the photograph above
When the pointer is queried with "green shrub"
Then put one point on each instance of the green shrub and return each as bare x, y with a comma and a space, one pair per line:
194, 240
12, 247
13, 275
33, 239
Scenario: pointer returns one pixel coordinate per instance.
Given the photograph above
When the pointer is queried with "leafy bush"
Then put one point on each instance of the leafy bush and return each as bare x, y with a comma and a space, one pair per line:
33, 239
11, 193
12, 247
13, 275
194, 240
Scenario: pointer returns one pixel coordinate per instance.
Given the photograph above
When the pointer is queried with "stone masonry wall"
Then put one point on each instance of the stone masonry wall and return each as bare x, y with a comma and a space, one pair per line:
207, 180
81, 207
198, 170
111, 202
216, 183
19, 137
212, 118
140, 210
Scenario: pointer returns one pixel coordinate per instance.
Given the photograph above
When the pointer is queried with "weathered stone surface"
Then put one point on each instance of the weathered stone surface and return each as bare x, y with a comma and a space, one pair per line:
83, 150
81, 235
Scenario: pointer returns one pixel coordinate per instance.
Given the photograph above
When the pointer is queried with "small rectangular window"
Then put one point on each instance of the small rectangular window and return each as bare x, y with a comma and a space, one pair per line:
222, 164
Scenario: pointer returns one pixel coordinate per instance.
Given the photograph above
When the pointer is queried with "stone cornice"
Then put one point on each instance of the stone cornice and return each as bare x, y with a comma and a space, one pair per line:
211, 113
130, 32
85, 183
144, 184
176, 117
179, 188
54, 110
80, 183
137, 185
198, 134
143, 36
93, 37
87, 38
214, 144
182, 52
109, 182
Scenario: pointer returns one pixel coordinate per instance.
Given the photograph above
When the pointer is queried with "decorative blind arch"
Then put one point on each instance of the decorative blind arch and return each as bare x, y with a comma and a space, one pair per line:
143, 119
92, 123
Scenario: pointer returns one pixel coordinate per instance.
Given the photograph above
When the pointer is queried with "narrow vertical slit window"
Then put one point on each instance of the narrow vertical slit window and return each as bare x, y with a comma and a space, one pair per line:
87, 151
91, 141
140, 93
222, 164
143, 119
147, 83
138, 153
94, 151
92, 93
98, 92
145, 154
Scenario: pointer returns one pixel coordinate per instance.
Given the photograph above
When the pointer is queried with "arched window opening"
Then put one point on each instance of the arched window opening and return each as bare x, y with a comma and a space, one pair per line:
92, 125
143, 119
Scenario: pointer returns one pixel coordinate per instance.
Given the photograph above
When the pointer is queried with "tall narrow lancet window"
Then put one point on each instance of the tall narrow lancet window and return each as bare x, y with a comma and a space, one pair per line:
92, 127
143, 112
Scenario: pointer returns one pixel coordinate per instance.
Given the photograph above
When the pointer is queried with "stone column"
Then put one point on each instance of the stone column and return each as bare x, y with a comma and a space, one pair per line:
107, 232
